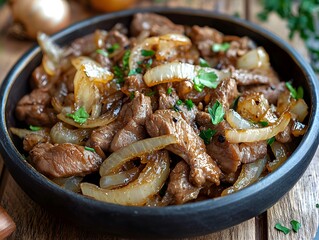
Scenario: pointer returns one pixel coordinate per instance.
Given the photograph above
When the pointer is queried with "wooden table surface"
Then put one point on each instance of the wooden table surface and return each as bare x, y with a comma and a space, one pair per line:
34, 222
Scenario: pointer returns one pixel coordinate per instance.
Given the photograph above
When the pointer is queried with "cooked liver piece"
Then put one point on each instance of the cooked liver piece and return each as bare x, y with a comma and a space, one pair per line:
136, 110
35, 108
33, 139
203, 169
251, 152
204, 38
155, 24
179, 187
64, 160
257, 76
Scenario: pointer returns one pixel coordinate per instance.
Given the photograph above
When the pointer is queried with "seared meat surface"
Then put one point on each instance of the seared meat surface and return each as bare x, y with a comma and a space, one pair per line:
64, 160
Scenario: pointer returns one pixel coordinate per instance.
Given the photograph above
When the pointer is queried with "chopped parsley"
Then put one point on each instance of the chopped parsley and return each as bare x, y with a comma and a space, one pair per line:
119, 74
295, 225
205, 79
125, 59
203, 62
114, 47
147, 53
132, 95
220, 47
317, 205
281, 228
179, 102
79, 116
207, 135
296, 94
189, 104
89, 149
35, 128
135, 71
263, 123
271, 140
152, 93
169, 90
216, 112
102, 52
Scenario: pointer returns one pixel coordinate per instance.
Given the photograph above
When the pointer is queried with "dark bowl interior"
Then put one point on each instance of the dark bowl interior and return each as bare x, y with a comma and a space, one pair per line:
174, 221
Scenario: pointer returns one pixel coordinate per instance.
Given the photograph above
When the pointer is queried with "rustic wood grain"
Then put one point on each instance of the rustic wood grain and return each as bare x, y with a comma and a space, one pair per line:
34, 222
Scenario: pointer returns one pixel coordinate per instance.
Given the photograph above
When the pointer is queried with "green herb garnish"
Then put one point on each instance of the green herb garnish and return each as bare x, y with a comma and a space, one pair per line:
216, 113
114, 47
207, 135
317, 205
35, 128
296, 94
102, 52
135, 71
89, 149
132, 95
189, 104
169, 90
147, 53
295, 225
205, 79
79, 116
281, 228
203, 62
125, 59
179, 102
263, 123
119, 74
271, 140
223, 47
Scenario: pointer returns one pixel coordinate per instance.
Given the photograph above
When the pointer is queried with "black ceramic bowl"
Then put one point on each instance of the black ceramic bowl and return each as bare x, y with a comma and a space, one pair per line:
174, 221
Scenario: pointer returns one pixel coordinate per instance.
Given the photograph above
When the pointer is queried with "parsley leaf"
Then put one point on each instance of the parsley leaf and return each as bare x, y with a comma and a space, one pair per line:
119, 74
79, 116
216, 113
102, 52
189, 104
206, 135
203, 62
281, 228
125, 59
271, 140
263, 123
147, 53
205, 79
89, 149
135, 71
179, 102
223, 47
114, 47
132, 95
35, 128
317, 205
295, 225
169, 90
296, 94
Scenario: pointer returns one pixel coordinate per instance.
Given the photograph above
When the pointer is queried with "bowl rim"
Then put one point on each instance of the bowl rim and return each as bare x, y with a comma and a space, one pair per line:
312, 135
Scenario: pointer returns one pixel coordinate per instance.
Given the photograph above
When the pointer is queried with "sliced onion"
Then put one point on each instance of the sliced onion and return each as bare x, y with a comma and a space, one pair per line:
102, 120
258, 134
139, 148
281, 154
22, 133
176, 72
61, 134
137, 193
69, 183
119, 179
256, 58
300, 108
235, 120
249, 174
298, 129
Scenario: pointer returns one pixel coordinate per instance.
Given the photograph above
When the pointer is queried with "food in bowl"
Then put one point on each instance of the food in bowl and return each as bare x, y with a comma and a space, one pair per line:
158, 114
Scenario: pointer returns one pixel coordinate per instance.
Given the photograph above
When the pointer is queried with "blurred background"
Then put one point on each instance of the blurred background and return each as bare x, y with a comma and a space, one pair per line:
296, 21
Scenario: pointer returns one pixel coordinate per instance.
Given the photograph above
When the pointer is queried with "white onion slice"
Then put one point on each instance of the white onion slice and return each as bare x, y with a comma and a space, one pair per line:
258, 134
61, 134
299, 108
281, 154
256, 58
136, 149
118, 179
249, 174
235, 120
150, 181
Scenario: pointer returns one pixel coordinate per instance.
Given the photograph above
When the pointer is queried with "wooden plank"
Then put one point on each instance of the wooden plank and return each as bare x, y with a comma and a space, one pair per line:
299, 204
